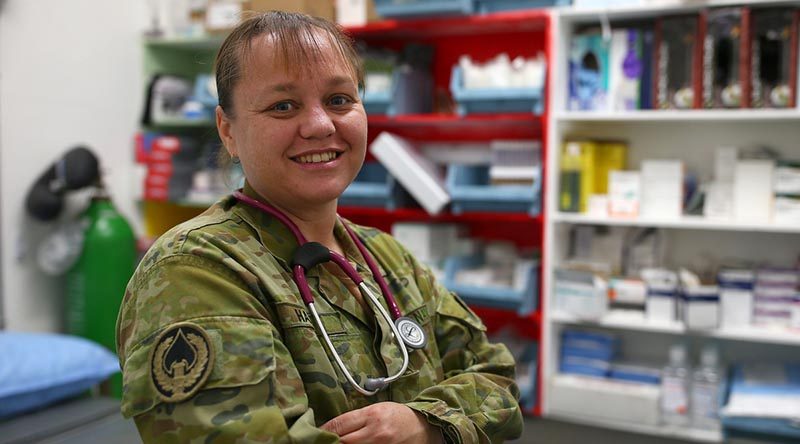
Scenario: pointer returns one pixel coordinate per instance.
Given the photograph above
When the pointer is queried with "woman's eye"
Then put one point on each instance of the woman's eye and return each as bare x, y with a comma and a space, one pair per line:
282, 106
340, 100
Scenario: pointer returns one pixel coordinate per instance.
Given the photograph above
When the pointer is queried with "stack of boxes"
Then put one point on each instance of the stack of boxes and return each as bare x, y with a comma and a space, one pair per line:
587, 353
736, 57
736, 297
590, 353
775, 291
585, 167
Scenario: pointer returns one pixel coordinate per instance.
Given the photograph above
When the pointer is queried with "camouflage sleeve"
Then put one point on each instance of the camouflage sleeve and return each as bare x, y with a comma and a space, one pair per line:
252, 391
478, 400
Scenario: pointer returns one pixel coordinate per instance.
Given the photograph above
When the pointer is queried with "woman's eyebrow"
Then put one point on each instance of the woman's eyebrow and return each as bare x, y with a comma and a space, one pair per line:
338, 80
283, 87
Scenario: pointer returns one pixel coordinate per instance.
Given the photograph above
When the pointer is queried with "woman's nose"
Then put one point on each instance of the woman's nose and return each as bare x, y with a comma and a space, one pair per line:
317, 124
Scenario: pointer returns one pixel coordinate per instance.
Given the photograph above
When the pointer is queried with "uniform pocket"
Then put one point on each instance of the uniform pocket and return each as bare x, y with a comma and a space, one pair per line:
292, 315
452, 306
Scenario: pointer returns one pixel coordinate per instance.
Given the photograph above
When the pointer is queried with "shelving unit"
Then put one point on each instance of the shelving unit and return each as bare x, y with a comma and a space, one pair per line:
749, 334
682, 223
518, 33
690, 136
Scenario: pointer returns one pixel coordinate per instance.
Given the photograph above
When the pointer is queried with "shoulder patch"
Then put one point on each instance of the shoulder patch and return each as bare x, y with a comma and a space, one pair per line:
180, 361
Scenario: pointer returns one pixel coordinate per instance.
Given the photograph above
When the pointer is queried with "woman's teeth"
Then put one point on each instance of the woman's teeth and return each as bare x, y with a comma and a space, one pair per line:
318, 157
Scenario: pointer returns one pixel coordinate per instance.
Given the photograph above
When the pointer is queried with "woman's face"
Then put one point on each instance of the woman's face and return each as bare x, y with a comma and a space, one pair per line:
300, 134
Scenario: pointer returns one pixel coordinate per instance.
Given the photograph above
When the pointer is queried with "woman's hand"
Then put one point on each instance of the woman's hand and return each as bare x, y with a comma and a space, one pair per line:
384, 423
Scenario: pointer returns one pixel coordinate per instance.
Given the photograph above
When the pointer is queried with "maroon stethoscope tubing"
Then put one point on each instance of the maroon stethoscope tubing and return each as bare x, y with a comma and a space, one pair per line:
298, 272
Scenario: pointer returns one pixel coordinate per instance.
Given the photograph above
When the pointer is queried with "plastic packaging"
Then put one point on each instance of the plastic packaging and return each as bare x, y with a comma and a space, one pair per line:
706, 391
675, 388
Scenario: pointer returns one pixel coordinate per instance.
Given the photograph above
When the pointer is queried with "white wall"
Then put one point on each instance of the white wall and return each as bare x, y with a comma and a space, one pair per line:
70, 73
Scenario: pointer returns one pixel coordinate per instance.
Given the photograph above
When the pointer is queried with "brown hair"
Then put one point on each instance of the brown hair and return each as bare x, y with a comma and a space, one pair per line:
298, 39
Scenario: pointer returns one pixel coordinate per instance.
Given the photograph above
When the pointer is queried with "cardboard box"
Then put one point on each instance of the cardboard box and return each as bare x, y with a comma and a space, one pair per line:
626, 66
752, 191
773, 57
662, 189
726, 55
356, 12
588, 73
678, 55
318, 8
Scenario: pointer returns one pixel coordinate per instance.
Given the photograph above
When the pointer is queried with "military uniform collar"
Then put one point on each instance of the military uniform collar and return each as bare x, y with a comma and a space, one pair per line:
280, 241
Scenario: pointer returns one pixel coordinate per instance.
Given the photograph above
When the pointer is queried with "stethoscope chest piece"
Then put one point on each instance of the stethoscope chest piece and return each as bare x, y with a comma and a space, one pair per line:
411, 333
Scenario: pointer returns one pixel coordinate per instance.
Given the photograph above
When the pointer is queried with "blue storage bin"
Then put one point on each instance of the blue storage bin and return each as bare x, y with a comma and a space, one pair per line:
766, 430
634, 373
378, 103
409, 94
205, 90
522, 301
596, 345
488, 6
470, 190
529, 359
374, 187
584, 366
494, 100
401, 9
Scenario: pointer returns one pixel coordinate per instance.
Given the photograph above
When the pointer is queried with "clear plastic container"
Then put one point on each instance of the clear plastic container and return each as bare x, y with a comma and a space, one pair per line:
675, 388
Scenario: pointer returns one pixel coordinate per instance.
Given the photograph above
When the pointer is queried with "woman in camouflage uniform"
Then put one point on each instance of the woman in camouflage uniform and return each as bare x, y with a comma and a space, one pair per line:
215, 342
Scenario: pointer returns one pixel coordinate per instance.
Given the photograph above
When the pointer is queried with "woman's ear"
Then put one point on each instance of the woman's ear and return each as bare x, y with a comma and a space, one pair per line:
224, 130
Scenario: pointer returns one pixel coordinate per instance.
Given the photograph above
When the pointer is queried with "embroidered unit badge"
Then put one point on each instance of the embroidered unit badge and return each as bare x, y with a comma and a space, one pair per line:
181, 360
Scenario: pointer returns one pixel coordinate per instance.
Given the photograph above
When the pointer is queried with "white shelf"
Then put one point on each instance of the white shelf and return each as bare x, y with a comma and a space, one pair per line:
748, 334
721, 115
685, 222
689, 434
661, 8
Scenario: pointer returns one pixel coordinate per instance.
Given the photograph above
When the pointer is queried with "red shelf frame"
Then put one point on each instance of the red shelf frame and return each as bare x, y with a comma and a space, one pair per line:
449, 127
519, 33
516, 21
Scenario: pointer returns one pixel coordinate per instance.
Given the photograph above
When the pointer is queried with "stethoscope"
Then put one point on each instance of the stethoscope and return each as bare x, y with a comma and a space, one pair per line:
406, 331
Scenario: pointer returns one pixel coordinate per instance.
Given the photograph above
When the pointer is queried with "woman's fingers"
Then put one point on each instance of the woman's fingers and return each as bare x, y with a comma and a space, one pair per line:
346, 423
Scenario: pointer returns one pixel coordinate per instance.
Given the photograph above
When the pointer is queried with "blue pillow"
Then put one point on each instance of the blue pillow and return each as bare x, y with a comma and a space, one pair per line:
38, 369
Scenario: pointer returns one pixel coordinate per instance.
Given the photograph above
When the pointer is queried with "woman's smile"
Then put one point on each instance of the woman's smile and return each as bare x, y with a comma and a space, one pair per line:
318, 158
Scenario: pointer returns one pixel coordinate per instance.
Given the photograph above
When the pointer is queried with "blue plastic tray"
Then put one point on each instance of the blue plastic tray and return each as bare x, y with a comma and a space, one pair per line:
488, 6
422, 8
529, 357
522, 301
767, 430
378, 103
374, 187
470, 190
494, 100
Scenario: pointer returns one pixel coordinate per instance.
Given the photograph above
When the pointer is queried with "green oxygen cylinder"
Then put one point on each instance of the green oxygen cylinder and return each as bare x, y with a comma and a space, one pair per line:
96, 282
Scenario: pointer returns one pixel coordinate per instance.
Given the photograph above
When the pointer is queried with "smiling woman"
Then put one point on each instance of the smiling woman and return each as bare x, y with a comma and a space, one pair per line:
286, 117
259, 321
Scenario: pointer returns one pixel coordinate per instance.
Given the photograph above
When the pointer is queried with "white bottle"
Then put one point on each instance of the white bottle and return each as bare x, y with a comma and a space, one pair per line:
675, 388
706, 390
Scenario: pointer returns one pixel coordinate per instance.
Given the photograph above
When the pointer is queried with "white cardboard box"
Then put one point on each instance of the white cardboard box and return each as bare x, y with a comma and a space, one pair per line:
603, 399
752, 191
662, 189
624, 192
418, 175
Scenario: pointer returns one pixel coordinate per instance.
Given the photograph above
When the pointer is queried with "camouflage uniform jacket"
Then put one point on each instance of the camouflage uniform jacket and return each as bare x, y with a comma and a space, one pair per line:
216, 345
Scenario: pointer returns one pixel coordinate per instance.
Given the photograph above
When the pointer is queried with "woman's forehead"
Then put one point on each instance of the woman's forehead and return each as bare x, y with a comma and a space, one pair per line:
303, 54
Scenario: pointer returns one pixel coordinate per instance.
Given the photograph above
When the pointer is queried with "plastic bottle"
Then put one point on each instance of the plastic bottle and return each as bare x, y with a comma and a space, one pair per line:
675, 388
705, 391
